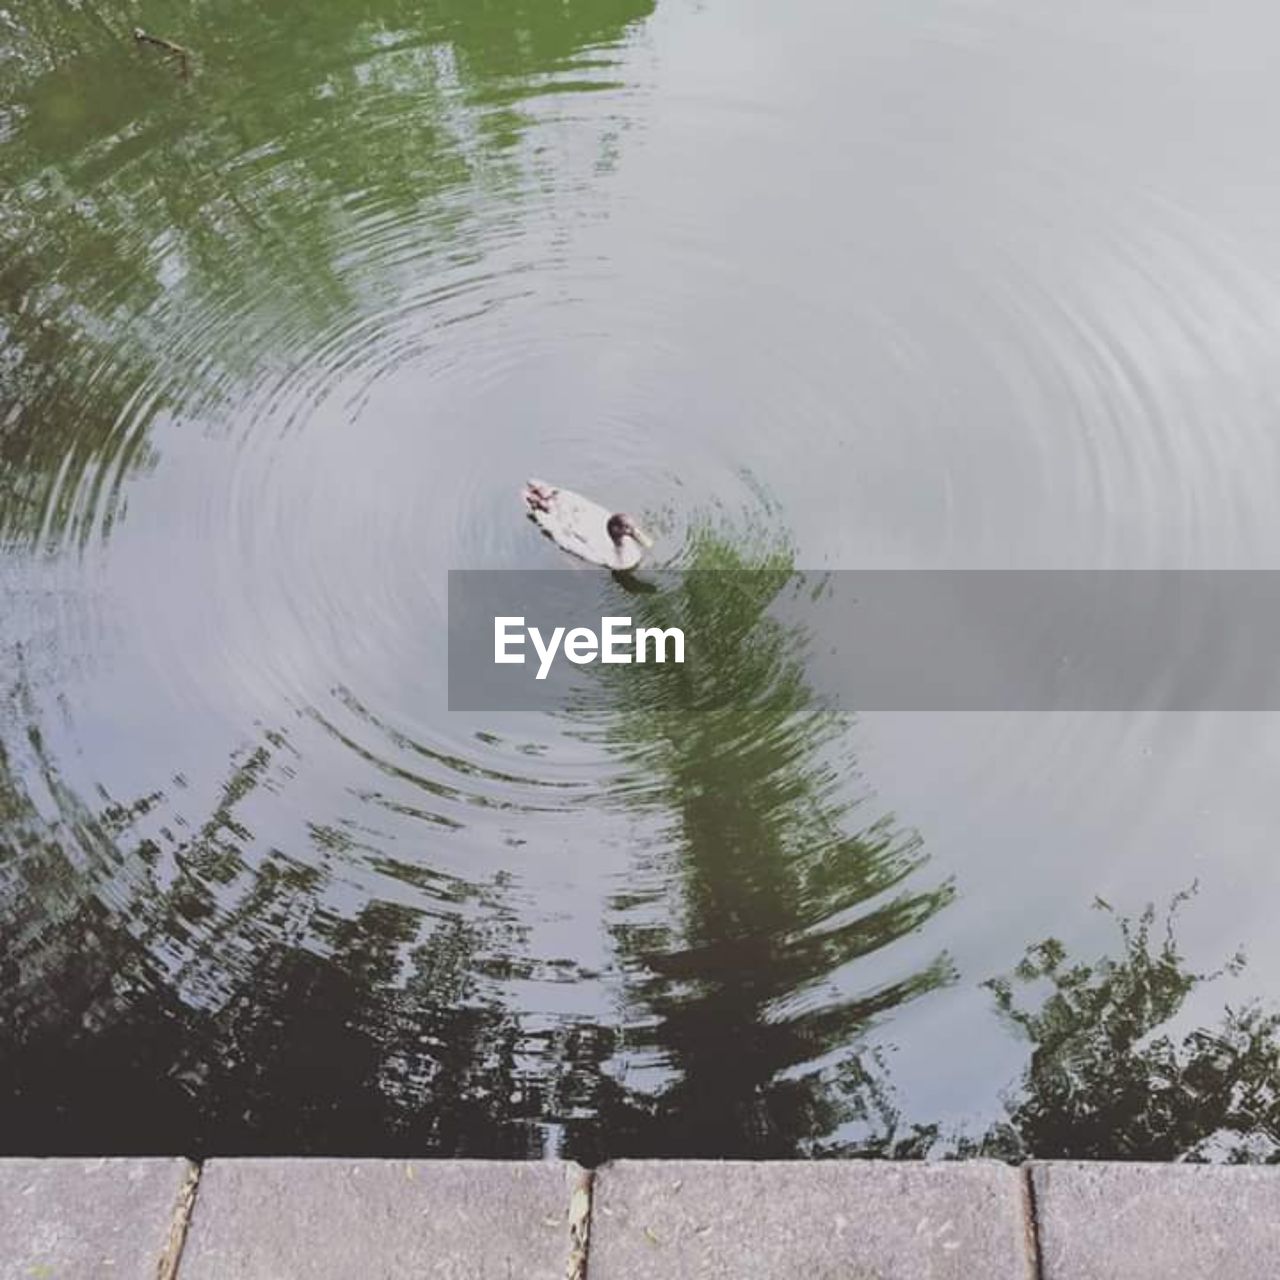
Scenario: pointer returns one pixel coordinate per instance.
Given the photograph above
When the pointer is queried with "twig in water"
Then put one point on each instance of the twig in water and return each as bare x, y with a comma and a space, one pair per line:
183, 54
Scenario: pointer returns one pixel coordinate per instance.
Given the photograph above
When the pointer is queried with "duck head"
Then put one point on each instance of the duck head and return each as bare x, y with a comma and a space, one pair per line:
622, 526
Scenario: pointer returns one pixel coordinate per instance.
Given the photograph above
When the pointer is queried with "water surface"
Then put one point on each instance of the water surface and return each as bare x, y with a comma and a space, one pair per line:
939, 285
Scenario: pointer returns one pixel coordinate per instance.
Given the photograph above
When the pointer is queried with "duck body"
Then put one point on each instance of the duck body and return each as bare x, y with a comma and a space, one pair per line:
584, 528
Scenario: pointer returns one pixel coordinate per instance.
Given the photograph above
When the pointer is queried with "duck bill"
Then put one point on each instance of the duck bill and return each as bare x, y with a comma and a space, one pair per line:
641, 537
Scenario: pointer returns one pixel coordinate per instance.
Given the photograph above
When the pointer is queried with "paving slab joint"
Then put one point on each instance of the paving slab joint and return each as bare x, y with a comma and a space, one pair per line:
1031, 1220
581, 1186
171, 1257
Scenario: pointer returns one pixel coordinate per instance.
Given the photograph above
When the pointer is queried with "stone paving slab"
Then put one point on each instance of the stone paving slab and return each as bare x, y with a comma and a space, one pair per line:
1157, 1221
851, 1220
373, 1219
66, 1219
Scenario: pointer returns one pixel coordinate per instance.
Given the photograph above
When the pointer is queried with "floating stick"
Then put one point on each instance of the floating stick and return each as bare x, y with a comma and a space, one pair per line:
183, 54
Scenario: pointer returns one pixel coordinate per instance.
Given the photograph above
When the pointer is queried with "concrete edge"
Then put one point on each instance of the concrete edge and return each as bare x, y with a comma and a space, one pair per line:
581, 1188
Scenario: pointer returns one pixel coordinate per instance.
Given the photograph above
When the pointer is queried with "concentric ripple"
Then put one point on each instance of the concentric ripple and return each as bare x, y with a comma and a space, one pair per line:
855, 287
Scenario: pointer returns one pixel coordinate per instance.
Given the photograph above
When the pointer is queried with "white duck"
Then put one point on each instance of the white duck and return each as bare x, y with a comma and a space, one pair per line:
584, 528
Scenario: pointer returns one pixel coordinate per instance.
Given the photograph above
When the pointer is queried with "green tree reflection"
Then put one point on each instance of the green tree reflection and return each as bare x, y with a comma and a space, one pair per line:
163, 243
1108, 1080
744, 988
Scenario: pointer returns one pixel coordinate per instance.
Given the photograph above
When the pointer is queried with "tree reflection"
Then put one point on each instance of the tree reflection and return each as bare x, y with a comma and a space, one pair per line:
158, 239
769, 883
160, 998
222, 981
1107, 1079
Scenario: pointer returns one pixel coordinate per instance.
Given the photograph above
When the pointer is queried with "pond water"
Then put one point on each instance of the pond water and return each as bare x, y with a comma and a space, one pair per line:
285, 325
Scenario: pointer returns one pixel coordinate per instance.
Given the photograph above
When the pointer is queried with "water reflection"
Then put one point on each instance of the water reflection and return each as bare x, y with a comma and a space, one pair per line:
232, 983
1112, 1074
227, 1007
279, 342
164, 245
223, 963
741, 931
121, 1038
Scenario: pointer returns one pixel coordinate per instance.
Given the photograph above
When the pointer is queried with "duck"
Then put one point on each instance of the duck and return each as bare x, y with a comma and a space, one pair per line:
584, 528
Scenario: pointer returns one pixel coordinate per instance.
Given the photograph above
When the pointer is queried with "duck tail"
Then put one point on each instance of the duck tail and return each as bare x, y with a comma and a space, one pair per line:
537, 494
